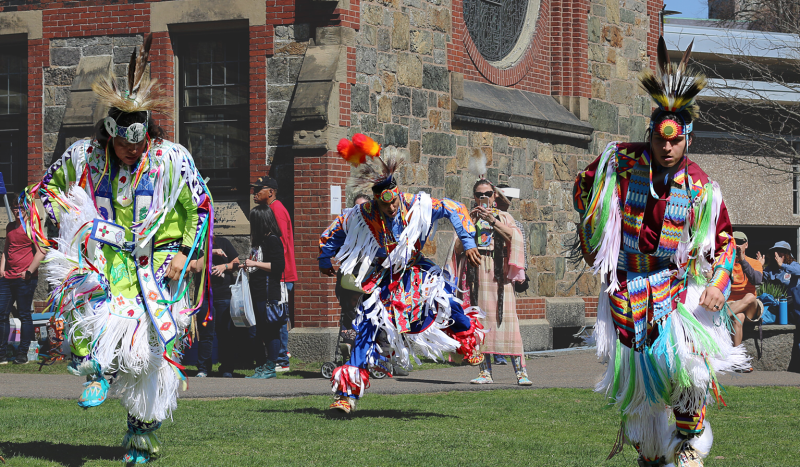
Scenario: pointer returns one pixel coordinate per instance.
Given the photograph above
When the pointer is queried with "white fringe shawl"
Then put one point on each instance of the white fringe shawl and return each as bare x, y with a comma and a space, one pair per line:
360, 246
166, 190
607, 251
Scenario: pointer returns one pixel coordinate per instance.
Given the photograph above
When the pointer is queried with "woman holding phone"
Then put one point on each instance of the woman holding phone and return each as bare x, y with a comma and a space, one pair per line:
502, 251
266, 264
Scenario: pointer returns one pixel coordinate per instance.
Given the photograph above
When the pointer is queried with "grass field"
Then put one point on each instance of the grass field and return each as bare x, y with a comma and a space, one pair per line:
549, 427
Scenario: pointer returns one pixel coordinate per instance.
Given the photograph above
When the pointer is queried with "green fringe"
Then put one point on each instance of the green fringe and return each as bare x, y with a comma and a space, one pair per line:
703, 216
704, 338
617, 369
631, 383
599, 180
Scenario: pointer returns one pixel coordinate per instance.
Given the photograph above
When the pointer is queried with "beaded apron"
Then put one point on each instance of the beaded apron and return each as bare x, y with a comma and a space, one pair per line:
649, 276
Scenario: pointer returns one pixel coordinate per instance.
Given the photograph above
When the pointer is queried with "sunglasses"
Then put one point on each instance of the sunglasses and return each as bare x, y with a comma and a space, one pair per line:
485, 194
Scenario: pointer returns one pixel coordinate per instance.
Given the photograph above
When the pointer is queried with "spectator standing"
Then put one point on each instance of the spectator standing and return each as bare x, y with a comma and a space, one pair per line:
266, 267
783, 269
265, 191
503, 202
499, 242
216, 321
742, 302
19, 275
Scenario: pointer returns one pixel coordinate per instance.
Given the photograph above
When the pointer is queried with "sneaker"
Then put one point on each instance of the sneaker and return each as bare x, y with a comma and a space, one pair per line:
398, 370
500, 360
21, 360
201, 374
281, 368
743, 370
259, 374
227, 375
4, 360
483, 378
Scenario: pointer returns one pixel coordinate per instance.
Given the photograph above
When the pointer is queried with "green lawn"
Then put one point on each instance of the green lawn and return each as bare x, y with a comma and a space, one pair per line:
551, 427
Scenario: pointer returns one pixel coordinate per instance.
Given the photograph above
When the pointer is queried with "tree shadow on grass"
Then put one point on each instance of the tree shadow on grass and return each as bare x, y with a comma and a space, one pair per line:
64, 454
377, 413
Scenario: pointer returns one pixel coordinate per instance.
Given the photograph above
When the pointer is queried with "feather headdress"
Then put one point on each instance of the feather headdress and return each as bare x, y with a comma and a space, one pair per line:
142, 93
371, 175
672, 87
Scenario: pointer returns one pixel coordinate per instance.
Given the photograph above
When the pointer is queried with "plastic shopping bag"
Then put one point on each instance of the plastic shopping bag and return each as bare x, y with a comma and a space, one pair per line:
241, 304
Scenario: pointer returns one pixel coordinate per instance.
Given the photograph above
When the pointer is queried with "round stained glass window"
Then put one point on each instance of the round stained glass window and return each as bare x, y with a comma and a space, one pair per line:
497, 27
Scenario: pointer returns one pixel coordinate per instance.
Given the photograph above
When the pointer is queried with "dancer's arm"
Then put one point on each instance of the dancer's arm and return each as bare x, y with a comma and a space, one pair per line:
459, 218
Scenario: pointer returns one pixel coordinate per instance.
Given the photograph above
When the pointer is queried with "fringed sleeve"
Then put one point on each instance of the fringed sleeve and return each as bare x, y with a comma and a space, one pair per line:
458, 216
330, 241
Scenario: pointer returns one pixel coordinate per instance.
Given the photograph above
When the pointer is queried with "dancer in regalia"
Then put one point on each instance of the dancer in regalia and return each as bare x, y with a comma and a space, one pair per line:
131, 207
656, 228
408, 303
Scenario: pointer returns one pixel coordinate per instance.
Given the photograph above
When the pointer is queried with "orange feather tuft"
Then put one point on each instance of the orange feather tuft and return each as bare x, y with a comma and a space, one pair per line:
350, 152
366, 144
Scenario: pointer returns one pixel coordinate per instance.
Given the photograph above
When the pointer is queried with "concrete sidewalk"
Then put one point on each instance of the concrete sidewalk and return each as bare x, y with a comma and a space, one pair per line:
573, 369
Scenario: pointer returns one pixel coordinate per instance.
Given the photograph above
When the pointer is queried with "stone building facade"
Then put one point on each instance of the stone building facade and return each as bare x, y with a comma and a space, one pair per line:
417, 74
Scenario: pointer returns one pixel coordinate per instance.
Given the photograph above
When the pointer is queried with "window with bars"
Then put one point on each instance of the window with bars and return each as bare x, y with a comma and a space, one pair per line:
214, 112
13, 115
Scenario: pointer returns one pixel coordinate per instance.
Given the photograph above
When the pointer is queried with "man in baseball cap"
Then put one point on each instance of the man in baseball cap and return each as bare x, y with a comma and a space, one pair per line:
747, 275
265, 191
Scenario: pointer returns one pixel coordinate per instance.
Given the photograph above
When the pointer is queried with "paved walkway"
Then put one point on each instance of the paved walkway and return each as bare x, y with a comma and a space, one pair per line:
573, 369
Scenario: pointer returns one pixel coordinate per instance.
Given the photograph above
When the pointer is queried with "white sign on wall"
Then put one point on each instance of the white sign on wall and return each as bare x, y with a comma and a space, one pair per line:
336, 199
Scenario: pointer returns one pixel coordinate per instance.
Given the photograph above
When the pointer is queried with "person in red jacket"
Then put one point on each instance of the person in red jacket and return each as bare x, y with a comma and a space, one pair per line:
265, 191
19, 275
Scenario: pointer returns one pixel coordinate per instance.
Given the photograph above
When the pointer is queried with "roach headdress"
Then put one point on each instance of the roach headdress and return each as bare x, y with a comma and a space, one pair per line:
673, 88
142, 95
374, 166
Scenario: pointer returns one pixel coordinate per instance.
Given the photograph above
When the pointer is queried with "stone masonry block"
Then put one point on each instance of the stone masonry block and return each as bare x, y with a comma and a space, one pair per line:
313, 344
536, 334
565, 312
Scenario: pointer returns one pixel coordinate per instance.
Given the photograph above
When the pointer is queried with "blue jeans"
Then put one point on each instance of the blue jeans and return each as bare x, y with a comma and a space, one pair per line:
266, 344
19, 291
283, 358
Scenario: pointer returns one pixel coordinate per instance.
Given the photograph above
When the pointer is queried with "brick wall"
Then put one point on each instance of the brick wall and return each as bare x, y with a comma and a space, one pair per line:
315, 301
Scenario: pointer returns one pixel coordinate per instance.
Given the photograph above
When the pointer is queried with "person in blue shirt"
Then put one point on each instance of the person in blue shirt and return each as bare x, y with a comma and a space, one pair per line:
408, 305
783, 269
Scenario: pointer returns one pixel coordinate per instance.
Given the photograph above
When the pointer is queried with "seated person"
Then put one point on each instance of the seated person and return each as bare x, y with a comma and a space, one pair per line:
747, 275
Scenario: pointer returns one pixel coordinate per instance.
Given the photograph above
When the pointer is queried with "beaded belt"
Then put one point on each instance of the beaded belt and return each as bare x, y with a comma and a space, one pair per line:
637, 262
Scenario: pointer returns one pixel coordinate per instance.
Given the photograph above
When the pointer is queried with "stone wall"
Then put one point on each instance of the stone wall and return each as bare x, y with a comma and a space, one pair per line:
65, 54
291, 43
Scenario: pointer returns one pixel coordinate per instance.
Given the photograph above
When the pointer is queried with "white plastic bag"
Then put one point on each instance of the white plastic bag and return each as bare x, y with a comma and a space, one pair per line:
241, 304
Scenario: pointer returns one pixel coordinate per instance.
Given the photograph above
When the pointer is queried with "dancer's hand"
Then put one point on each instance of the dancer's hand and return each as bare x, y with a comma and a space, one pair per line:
330, 272
761, 258
474, 257
176, 266
218, 252
712, 299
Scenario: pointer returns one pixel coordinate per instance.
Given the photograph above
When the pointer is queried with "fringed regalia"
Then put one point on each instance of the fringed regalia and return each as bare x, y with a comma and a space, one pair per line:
408, 306
659, 238
119, 227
